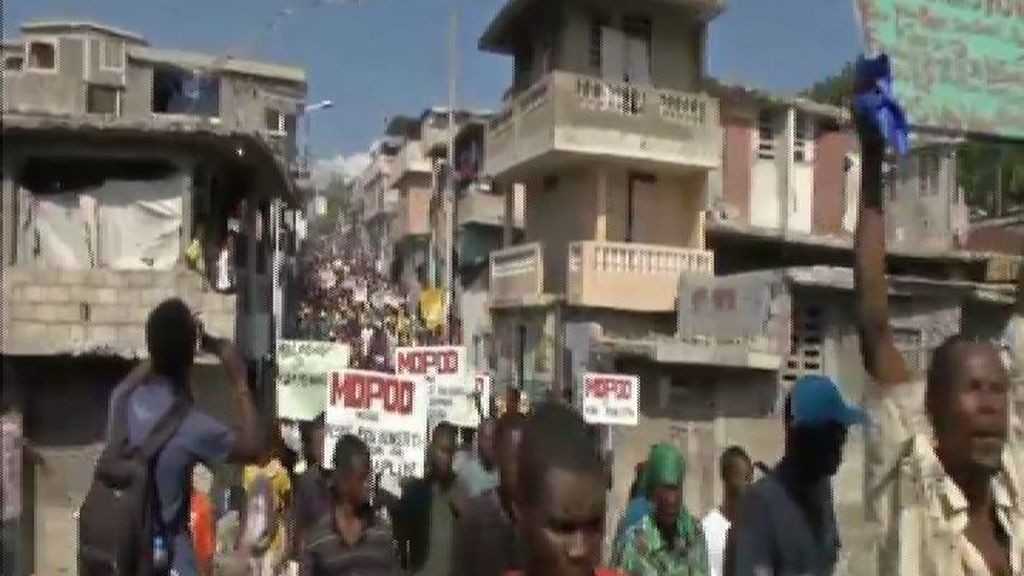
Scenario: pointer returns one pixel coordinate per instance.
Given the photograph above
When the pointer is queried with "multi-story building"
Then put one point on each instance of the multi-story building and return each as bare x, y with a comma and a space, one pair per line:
478, 228
609, 128
130, 174
379, 203
643, 179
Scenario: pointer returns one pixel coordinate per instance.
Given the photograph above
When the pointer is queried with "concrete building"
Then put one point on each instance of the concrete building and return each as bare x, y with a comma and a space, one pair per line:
643, 180
478, 229
131, 174
379, 202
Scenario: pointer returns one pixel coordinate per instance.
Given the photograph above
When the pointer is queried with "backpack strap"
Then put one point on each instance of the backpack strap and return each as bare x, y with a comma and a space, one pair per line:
164, 429
119, 431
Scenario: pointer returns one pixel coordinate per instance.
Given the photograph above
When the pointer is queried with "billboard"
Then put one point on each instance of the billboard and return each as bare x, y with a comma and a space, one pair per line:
958, 65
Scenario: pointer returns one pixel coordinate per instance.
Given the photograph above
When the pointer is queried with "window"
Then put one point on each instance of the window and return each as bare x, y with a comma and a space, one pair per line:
14, 63
42, 55
102, 100
182, 91
112, 55
637, 32
803, 138
766, 128
273, 121
928, 174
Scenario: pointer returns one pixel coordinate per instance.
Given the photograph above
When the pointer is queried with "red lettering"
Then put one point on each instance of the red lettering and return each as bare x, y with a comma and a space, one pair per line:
422, 361
361, 391
601, 388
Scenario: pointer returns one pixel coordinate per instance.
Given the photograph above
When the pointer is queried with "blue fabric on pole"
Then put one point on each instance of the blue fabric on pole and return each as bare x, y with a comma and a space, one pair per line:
880, 103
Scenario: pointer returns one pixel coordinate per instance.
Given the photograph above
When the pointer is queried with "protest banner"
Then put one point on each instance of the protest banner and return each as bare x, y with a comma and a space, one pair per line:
611, 399
445, 373
956, 63
387, 412
303, 368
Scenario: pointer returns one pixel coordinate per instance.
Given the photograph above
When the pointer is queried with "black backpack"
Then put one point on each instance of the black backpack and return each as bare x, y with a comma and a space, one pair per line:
118, 516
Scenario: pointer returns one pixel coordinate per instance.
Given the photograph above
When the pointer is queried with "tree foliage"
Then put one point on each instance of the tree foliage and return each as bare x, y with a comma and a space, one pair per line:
983, 168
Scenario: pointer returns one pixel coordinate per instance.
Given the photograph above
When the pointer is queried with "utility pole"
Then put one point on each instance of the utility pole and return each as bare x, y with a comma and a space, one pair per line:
449, 192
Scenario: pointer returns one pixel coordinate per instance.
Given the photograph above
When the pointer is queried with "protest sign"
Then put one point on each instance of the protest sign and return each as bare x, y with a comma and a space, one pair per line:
611, 399
956, 63
387, 412
303, 368
450, 387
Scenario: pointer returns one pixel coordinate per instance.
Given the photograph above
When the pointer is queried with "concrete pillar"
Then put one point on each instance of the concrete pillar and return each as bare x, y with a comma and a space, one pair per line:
601, 226
509, 193
785, 163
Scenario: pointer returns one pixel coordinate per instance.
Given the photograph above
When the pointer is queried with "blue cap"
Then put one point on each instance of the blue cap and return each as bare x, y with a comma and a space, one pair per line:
817, 400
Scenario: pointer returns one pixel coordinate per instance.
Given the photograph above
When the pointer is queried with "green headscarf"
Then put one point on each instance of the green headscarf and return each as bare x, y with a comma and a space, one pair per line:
665, 465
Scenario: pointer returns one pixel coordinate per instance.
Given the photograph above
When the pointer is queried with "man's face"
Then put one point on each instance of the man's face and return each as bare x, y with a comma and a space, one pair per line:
738, 475
564, 529
313, 445
442, 453
352, 485
973, 425
820, 447
668, 499
485, 443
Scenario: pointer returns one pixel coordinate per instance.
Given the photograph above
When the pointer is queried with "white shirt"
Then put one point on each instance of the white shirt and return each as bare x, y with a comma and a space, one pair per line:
716, 528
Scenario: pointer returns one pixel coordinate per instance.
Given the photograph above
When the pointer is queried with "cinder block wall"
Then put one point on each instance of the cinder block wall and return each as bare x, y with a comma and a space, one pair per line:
80, 312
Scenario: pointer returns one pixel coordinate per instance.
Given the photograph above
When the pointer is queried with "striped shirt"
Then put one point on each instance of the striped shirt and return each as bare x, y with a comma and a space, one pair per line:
329, 555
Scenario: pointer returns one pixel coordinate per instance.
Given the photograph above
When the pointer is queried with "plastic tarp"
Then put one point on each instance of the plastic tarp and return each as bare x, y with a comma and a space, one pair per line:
139, 223
121, 224
56, 231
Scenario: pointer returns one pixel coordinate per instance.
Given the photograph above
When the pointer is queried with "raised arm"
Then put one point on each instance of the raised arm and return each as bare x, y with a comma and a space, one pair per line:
882, 360
248, 440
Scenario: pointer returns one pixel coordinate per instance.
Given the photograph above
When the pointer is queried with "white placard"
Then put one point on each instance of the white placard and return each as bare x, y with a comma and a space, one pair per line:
388, 412
445, 373
303, 369
611, 399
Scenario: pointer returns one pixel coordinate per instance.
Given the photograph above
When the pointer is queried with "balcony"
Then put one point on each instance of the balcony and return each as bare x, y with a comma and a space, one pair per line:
374, 208
567, 114
478, 207
410, 159
636, 277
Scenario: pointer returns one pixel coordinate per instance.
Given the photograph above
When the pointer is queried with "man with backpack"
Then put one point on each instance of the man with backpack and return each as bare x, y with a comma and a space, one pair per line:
135, 518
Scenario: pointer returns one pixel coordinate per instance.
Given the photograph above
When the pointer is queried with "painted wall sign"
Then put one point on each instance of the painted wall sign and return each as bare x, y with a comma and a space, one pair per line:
957, 64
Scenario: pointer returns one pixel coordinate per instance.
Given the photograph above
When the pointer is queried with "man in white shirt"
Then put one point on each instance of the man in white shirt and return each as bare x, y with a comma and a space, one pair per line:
737, 472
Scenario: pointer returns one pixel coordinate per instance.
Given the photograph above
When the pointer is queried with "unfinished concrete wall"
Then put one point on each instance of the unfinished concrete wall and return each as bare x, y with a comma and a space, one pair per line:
99, 311
924, 208
677, 42
57, 91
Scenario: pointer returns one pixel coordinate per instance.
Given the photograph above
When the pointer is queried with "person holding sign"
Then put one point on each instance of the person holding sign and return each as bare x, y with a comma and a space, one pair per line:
354, 537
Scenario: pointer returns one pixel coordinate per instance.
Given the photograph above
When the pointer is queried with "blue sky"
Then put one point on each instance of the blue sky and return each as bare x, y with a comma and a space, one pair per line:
383, 57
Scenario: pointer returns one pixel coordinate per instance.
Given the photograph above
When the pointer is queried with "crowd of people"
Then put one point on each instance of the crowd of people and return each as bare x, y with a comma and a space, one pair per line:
529, 496
346, 299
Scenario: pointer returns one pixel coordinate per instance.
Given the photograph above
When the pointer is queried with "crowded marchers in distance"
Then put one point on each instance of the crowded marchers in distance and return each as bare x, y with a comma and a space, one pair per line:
528, 494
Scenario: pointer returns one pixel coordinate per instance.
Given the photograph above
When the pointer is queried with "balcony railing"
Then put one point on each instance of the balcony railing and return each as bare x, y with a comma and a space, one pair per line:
589, 115
517, 273
751, 310
627, 276
478, 207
